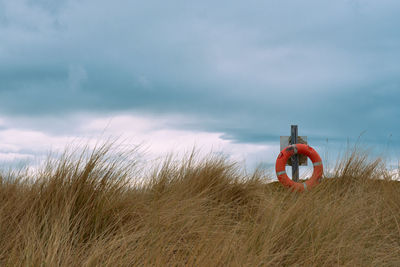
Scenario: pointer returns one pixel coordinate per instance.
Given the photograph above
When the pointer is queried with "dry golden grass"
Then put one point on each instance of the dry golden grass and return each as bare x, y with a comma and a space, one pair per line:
85, 212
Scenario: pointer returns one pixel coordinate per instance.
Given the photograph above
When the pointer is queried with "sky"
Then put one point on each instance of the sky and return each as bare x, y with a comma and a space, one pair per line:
225, 76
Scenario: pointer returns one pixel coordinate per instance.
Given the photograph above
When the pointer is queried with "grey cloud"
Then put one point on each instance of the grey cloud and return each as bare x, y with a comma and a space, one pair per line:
246, 69
53, 7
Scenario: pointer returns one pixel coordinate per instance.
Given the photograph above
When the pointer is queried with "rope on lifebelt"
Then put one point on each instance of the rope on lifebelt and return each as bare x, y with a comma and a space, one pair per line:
303, 149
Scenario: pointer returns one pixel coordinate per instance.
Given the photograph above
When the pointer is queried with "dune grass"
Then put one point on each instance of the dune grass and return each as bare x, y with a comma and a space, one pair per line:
84, 210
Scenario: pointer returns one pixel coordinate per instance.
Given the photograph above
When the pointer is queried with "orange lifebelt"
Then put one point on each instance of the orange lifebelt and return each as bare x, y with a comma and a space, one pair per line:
303, 149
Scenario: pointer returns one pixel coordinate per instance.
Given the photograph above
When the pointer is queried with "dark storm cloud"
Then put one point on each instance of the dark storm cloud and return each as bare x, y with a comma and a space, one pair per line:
248, 69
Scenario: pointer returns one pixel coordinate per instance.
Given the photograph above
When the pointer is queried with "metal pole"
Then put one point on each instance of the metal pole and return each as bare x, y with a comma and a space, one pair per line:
294, 158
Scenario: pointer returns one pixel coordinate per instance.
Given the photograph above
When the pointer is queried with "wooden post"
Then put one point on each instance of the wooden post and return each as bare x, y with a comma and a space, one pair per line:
294, 158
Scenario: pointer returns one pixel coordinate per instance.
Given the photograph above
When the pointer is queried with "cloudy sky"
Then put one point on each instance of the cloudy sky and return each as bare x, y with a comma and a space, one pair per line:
227, 76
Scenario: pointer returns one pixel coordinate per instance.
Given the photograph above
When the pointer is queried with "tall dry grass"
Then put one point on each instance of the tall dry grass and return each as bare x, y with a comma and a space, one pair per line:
85, 211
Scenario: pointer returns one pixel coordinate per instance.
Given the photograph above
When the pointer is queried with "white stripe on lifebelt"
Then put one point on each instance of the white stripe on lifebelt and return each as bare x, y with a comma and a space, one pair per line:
280, 173
305, 187
317, 163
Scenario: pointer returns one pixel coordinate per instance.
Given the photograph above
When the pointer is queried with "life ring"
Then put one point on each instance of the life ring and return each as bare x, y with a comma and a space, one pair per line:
303, 149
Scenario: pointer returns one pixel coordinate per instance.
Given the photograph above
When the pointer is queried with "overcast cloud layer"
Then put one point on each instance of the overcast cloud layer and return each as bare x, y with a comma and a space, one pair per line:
245, 69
